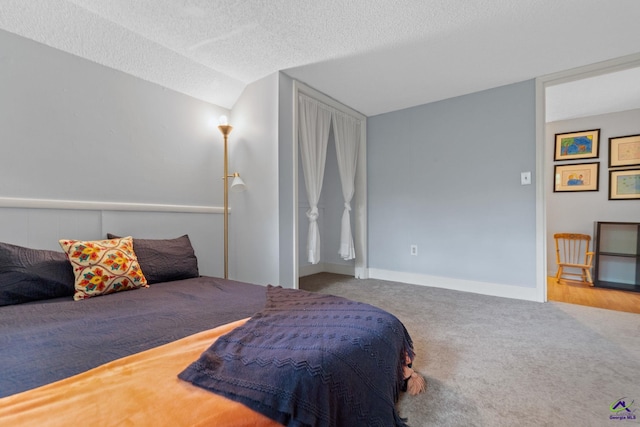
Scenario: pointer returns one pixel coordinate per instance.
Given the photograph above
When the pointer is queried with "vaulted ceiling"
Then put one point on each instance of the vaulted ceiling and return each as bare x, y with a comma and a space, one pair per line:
375, 56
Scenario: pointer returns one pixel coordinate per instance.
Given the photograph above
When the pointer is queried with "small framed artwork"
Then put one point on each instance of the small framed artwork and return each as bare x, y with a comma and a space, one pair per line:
576, 177
577, 145
624, 151
624, 184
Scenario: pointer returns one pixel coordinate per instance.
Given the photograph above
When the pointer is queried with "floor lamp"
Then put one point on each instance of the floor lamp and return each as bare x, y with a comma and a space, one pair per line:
237, 185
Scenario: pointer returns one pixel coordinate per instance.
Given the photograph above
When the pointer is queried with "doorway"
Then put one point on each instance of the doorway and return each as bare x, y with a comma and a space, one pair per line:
569, 106
359, 201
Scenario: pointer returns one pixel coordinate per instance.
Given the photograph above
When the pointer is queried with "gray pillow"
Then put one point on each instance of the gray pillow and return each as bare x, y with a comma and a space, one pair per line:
33, 274
165, 260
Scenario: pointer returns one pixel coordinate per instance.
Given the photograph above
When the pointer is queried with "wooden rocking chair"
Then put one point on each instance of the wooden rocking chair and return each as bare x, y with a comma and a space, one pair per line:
572, 251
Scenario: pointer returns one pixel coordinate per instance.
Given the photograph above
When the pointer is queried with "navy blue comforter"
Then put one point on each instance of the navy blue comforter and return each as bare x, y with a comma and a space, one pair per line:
310, 360
54, 339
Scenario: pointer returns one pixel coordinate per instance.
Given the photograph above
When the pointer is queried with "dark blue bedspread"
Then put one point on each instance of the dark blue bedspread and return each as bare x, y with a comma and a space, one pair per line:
310, 360
54, 339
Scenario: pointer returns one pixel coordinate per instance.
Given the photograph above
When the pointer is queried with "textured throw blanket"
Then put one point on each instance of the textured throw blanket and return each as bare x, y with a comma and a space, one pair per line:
310, 359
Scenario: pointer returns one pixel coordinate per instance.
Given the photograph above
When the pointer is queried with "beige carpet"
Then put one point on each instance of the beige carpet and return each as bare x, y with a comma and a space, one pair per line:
500, 362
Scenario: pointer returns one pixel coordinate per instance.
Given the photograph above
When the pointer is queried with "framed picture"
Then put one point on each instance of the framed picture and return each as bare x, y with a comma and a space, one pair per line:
624, 151
624, 184
577, 145
576, 177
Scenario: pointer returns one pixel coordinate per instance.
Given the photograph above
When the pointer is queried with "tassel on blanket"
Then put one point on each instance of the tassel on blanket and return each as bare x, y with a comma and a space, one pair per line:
415, 382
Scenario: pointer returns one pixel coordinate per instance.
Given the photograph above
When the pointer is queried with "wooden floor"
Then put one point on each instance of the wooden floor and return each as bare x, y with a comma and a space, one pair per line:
583, 294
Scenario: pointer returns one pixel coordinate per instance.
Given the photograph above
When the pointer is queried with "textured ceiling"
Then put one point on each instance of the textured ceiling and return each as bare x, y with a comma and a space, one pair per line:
373, 55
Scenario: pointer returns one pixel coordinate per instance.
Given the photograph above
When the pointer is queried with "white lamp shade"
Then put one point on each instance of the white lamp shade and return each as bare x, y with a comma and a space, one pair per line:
237, 184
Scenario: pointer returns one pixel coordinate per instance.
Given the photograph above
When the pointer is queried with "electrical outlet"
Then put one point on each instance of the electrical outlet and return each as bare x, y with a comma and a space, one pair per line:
414, 250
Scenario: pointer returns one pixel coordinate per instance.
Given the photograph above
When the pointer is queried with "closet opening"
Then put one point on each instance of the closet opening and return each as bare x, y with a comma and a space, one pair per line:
327, 204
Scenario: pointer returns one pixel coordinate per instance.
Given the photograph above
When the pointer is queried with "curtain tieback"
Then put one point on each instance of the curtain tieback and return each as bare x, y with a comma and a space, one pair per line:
312, 214
347, 206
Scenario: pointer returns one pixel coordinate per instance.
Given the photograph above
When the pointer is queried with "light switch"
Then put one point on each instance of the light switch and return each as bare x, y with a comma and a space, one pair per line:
525, 178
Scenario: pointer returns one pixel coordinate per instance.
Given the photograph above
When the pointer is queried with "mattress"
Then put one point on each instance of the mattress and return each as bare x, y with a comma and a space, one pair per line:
50, 340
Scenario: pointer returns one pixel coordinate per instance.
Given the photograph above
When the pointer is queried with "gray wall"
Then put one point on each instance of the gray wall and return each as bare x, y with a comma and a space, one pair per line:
253, 152
286, 184
446, 176
577, 212
73, 130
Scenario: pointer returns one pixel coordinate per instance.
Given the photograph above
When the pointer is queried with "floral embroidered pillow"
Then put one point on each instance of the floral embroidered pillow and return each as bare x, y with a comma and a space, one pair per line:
103, 266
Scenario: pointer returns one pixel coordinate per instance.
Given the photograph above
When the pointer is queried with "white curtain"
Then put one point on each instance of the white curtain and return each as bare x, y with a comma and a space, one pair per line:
345, 133
314, 124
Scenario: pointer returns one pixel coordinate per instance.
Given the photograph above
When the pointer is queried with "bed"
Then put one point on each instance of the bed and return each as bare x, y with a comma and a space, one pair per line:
171, 347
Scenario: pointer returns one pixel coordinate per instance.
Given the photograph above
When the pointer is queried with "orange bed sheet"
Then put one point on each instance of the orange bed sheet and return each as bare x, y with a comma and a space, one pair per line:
139, 390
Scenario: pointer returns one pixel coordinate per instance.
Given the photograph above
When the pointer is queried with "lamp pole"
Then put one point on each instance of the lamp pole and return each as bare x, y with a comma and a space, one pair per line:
226, 130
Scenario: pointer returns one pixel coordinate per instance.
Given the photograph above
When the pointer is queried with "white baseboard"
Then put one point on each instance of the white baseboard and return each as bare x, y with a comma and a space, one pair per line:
484, 288
308, 270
